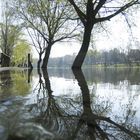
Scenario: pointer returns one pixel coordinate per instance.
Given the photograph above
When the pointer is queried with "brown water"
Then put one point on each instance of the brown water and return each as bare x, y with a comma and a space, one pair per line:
60, 104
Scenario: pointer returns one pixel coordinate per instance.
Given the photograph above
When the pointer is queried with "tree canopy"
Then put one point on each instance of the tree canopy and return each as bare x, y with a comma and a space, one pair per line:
49, 19
20, 53
10, 33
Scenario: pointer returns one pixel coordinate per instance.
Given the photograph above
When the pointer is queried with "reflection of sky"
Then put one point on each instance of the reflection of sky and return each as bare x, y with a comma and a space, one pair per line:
121, 97
62, 86
34, 91
59, 86
107, 99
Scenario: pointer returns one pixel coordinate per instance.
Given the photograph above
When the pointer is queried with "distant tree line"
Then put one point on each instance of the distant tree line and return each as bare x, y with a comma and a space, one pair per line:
94, 57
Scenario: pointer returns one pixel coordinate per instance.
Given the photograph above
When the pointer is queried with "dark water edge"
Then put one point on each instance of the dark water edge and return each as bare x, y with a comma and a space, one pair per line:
60, 104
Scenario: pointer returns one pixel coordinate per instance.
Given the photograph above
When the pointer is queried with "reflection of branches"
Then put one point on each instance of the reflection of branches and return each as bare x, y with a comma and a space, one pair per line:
61, 114
51, 115
5, 78
52, 107
5, 83
93, 121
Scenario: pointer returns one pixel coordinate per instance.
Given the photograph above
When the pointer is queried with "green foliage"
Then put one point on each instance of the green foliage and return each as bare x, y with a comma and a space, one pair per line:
20, 52
8, 37
10, 32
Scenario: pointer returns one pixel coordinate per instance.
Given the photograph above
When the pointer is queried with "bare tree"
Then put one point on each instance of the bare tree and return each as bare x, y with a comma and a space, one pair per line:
49, 19
92, 12
39, 43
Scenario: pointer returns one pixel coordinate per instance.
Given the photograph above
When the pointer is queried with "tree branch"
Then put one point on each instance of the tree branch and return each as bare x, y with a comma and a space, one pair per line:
81, 15
99, 6
122, 128
123, 8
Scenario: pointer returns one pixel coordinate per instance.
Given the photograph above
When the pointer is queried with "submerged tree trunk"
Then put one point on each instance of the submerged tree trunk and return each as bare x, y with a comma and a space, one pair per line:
5, 60
46, 57
29, 61
84, 48
39, 61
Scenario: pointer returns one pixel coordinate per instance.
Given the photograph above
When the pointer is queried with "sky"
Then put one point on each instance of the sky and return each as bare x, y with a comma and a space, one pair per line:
66, 48
117, 37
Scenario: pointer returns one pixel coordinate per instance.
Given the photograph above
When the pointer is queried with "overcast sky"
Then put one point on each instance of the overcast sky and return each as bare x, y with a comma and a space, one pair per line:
116, 37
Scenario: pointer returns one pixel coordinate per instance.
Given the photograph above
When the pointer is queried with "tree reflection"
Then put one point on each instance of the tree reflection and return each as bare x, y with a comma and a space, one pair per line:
100, 126
112, 75
5, 83
13, 82
13, 86
29, 75
49, 110
52, 110
66, 119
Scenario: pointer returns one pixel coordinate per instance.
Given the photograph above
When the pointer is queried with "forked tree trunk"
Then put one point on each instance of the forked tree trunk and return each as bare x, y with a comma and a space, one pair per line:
46, 57
84, 48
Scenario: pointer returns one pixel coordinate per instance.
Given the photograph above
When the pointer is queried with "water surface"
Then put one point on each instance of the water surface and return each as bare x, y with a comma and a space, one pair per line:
61, 104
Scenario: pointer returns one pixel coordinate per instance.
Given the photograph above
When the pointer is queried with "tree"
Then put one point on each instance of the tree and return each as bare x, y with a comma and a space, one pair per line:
9, 35
20, 53
39, 43
49, 19
93, 12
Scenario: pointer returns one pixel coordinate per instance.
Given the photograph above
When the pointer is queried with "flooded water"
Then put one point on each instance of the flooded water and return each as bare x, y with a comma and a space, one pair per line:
61, 104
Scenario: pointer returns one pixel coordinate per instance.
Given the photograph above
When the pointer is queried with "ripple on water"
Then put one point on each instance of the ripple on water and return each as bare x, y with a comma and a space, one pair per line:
3, 108
3, 135
7, 103
32, 131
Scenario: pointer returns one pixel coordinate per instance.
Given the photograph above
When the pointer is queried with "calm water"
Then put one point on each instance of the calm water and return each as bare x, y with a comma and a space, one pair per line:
60, 104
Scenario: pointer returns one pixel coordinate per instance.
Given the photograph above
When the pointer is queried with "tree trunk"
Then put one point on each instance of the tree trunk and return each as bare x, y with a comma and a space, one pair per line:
5, 60
84, 48
29, 61
39, 61
79, 76
46, 57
